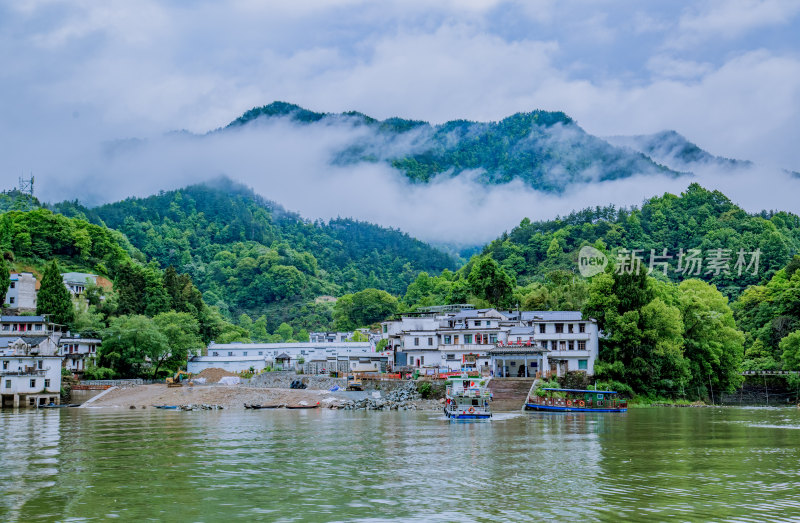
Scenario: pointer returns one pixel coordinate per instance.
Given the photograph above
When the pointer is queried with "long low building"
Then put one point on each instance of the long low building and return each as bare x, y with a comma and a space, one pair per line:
312, 357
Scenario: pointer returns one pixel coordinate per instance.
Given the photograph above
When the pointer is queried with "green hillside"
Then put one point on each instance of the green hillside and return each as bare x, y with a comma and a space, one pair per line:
249, 255
546, 150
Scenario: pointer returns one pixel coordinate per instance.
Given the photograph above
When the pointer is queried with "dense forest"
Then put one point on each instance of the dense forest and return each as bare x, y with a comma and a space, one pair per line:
546, 150
248, 255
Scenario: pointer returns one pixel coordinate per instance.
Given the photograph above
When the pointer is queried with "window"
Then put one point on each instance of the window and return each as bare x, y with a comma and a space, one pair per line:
385, 328
559, 328
244, 353
477, 323
33, 383
562, 345
583, 364
581, 327
416, 342
93, 349
581, 345
261, 353
430, 342
31, 401
12, 286
493, 338
5, 365
422, 360
571, 345
47, 384
450, 356
467, 338
541, 328
39, 364
11, 300
447, 340
215, 353
38, 327
455, 339
570, 327
8, 384
6, 327
230, 353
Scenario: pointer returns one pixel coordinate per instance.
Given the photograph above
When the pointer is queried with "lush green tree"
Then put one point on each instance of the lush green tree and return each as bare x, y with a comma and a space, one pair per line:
363, 308
359, 336
790, 346
5, 279
285, 331
182, 332
488, 281
714, 345
53, 297
128, 342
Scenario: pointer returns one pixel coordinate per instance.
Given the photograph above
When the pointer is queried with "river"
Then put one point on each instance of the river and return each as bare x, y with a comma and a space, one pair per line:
647, 464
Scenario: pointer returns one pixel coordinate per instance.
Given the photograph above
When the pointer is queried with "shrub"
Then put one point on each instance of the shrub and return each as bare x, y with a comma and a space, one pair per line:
425, 389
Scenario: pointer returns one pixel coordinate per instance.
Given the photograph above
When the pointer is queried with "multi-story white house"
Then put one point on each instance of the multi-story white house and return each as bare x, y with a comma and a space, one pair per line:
504, 343
21, 293
30, 367
77, 352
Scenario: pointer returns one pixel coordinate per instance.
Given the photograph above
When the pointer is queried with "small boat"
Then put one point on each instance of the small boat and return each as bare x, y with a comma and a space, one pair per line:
303, 406
259, 407
167, 407
575, 400
62, 406
468, 398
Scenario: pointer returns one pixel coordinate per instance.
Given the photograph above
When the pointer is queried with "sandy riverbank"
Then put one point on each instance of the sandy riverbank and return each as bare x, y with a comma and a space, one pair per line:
229, 397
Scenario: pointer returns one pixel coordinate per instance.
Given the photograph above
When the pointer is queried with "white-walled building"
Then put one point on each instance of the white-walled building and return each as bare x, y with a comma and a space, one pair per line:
21, 292
77, 352
237, 357
30, 367
505, 343
76, 282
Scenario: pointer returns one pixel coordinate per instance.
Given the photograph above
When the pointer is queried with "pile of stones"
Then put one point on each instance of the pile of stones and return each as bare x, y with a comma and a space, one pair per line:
399, 399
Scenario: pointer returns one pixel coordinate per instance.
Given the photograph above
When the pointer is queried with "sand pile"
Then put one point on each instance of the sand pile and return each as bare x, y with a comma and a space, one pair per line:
213, 375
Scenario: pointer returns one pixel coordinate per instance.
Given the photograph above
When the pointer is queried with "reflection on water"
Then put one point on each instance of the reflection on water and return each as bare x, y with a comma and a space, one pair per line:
658, 464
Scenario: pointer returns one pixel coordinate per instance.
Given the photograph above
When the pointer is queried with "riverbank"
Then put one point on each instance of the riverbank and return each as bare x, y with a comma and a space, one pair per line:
236, 396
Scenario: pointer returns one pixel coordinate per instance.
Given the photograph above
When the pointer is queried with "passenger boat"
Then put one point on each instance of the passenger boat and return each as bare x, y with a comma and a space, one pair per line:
576, 400
468, 397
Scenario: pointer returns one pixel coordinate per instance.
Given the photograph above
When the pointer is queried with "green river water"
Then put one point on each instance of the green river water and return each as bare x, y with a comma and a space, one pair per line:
686, 464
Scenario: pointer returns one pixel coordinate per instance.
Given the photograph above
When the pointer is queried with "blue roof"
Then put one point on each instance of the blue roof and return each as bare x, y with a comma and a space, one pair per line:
23, 319
579, 390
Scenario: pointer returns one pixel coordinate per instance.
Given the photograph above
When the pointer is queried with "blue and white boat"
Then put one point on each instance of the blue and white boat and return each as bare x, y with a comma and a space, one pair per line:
576, 400
468, 398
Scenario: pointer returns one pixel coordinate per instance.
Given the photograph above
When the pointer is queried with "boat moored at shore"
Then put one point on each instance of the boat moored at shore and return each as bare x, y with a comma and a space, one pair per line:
468, 398
575, 400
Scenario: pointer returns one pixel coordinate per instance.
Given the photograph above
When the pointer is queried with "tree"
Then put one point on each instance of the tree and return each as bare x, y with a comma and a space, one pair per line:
5, 279
491, 283
790, 346
182, 332
128, 342
363, 309
714, 345
53, 298
285, 331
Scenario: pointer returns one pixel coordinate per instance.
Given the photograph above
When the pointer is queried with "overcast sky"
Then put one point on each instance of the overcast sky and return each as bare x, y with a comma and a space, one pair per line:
78, 75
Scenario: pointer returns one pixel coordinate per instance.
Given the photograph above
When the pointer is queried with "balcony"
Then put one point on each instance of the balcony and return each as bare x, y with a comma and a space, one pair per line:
26, 372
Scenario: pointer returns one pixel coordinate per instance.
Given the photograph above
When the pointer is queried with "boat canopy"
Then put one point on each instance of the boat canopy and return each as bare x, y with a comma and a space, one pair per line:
583, 391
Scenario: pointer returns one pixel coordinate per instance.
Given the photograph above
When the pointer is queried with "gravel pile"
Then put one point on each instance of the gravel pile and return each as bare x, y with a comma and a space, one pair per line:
213, 375
201, 407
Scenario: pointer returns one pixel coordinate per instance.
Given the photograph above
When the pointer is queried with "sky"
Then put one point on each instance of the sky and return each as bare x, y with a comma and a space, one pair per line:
91, 94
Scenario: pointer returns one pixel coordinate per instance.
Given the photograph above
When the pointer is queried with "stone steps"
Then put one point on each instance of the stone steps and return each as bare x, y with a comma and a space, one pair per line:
509, 394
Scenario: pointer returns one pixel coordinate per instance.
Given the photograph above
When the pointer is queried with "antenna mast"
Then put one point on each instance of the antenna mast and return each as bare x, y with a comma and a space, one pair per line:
26, 185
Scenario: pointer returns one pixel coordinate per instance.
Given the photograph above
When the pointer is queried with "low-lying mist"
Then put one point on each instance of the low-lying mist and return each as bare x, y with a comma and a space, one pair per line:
294, 165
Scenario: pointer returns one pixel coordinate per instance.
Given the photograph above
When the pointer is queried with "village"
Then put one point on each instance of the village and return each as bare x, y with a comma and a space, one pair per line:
430, 344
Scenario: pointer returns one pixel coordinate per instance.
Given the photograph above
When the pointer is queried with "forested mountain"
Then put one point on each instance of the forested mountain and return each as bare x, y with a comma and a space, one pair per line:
697, 219
675, 151
250, 255
546, 150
